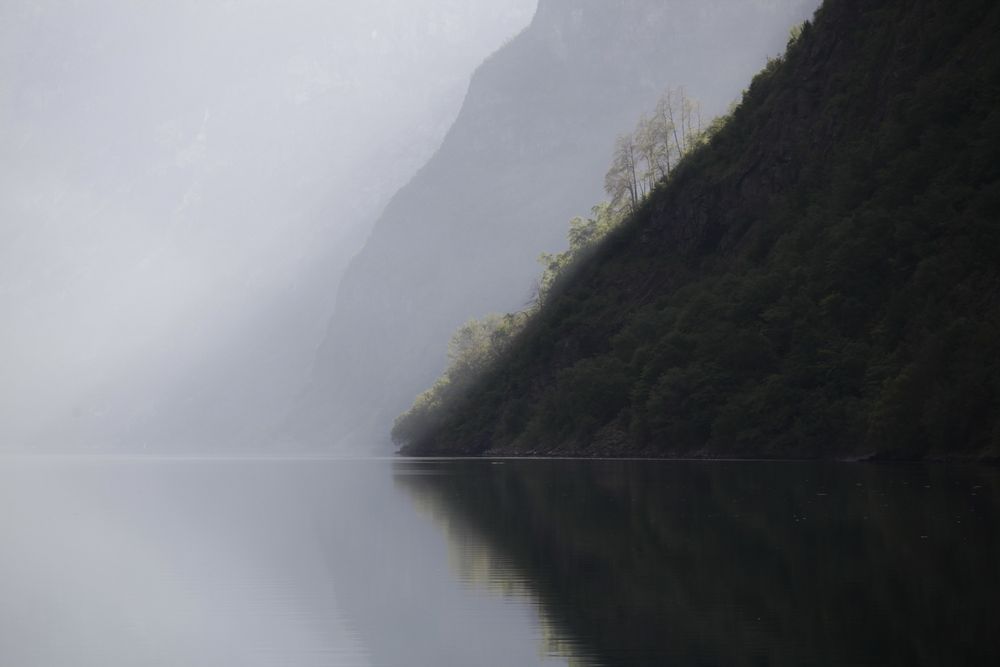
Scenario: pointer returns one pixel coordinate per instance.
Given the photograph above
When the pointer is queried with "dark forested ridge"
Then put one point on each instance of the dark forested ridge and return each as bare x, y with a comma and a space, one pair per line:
527, 152
819, 280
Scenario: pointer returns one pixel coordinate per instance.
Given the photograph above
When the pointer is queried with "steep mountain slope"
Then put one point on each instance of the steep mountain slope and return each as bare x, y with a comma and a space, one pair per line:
527, 152
820, 280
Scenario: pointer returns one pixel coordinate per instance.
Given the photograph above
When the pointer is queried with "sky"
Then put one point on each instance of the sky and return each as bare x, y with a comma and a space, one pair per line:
181, 184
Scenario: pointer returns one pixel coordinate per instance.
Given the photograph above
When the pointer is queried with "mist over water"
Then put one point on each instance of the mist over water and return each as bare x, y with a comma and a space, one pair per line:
302, 563
181, 185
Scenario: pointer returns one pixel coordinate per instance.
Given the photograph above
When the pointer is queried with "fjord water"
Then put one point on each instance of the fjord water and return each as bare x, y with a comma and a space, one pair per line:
432, 562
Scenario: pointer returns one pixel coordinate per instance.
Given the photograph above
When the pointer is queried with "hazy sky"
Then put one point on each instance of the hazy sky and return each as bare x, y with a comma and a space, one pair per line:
181, 183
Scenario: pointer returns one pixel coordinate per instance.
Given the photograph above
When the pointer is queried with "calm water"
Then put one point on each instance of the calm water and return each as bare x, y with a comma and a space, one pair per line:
435, 563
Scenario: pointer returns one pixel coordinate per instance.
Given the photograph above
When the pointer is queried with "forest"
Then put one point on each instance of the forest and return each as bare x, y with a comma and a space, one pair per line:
812, 276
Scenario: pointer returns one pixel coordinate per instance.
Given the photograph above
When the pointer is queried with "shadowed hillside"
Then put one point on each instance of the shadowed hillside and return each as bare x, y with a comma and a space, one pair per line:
526, 153
819, 280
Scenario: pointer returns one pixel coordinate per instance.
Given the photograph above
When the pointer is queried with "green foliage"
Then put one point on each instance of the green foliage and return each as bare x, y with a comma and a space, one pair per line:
585, 234
586, 395
664, 138
648, 155
478, 345
819, 278
473, 350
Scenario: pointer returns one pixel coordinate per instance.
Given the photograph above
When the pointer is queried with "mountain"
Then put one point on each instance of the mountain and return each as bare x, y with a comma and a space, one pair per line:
526, 153
180, 185
819, 280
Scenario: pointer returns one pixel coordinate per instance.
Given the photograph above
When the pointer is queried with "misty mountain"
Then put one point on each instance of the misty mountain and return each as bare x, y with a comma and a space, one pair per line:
527, 152
181, 185
819, 280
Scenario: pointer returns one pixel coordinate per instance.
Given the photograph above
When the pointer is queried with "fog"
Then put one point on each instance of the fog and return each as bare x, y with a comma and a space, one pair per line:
181, 185
236, 236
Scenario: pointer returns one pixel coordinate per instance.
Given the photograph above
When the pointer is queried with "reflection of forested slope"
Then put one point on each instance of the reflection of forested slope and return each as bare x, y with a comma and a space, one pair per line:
701, 564
820, 280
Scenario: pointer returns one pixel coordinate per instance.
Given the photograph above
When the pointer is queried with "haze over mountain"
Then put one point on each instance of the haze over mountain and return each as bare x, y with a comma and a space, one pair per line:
527, 152
181, 184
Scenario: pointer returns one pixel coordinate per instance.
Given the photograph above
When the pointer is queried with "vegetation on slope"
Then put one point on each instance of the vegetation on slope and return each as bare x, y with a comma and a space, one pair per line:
818, 280
525, 154
641, 159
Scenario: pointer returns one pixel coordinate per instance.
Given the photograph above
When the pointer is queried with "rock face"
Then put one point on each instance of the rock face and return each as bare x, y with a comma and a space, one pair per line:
527, 152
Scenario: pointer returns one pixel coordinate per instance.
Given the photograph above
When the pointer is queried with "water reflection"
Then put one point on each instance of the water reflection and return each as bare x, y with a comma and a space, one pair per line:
251, 563
476, 560
479, 563
640, 563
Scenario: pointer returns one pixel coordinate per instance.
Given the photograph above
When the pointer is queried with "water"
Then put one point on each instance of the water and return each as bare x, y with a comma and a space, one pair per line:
411, 563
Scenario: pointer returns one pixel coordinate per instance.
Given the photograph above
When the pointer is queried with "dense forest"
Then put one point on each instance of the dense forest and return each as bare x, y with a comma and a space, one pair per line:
816, 278
527, 152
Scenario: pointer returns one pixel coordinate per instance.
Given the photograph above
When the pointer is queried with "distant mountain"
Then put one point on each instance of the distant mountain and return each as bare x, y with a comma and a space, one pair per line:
821, 280
181, 186
528, 151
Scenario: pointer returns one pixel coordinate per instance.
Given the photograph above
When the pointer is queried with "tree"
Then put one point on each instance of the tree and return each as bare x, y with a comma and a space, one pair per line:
648, 155
584, 235
641, 160
473, 349
653, 152
622, 181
